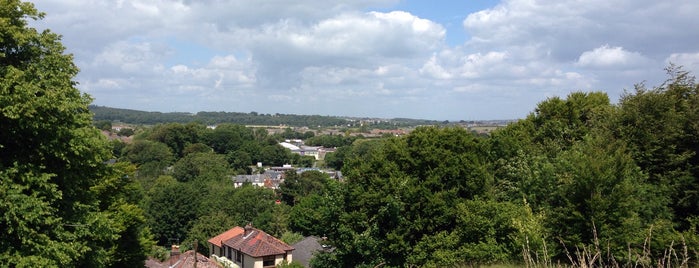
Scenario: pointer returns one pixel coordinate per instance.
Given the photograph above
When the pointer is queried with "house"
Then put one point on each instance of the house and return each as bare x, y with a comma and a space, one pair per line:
270, 179
216, 242
250, 247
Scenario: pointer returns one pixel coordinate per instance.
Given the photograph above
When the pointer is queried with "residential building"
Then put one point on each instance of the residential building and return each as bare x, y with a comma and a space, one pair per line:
250, 247
270, 179
216, 242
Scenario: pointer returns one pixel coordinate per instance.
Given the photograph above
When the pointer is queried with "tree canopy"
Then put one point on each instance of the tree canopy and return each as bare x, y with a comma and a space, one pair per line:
61, 204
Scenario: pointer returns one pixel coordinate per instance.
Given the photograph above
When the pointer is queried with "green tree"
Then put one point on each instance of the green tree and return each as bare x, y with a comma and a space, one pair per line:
151, 158
103, 125
196, 148
601, 192
177, 136
126, 132
172, 209
228, 137
205, 167
274, 155
52, 169
660, 126
297, 186
402, 189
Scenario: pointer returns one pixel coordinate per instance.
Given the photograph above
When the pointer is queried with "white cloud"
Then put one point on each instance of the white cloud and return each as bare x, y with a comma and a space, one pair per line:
433, 69
606, 56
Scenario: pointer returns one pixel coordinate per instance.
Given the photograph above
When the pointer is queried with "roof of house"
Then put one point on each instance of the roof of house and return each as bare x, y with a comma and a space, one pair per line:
218, 240
183, 260
304, 250
256, 243
259, 178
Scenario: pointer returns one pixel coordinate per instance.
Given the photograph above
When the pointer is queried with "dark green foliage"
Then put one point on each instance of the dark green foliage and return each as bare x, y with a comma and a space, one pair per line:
205, 167
274, 155
176, 136
228, 138
172, 209
152, 158
296, 185
660, 126
126, 132
62, 206
336, 159
103, 125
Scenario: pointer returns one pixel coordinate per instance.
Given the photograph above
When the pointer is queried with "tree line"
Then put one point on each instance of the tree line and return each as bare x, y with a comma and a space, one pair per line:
109, 114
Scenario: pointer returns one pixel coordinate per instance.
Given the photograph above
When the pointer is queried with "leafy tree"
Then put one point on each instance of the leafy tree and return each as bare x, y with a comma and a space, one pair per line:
297, 186
402, 189
660, 126
559, 123
62, 206
126, 132
103, 125
152, 158
228, 138
171, 210
291, 237
600, 192
196, 148
177, 136
205, 167
274, 155
336, 159
240, 161
293, 264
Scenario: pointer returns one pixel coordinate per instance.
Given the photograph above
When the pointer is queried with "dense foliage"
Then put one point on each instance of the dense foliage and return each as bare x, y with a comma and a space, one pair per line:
61, 205
578, 177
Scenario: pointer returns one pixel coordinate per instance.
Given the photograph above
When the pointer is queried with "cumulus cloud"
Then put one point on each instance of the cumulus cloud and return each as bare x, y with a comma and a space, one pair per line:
606, 56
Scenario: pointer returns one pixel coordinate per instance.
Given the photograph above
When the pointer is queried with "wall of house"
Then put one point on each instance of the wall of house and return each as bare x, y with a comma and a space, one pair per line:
280, 258
250, 262
215, 250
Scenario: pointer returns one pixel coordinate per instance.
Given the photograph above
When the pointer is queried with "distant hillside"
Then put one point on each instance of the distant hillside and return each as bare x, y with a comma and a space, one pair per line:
252, 118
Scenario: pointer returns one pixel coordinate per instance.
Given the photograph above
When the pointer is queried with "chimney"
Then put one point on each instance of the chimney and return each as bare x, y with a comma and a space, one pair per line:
248, 229
174, 254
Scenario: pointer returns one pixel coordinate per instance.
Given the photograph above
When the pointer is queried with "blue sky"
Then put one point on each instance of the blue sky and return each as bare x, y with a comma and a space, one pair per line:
450, 14
443, 60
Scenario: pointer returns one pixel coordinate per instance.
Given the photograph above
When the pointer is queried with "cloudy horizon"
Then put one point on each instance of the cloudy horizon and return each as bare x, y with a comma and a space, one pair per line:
447, 60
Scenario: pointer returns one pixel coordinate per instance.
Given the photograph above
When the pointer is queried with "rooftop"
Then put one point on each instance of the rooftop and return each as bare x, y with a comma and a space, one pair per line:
218, 240
256, 243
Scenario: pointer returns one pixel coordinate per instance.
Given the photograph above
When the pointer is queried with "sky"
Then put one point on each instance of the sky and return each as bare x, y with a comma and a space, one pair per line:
441, 60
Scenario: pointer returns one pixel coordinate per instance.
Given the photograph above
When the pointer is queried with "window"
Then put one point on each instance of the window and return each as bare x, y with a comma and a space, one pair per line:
238, 256
268, 261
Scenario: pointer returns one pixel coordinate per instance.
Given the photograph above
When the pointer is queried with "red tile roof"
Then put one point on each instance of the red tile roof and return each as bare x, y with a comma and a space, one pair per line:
257, 243
183, 260
218, 240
